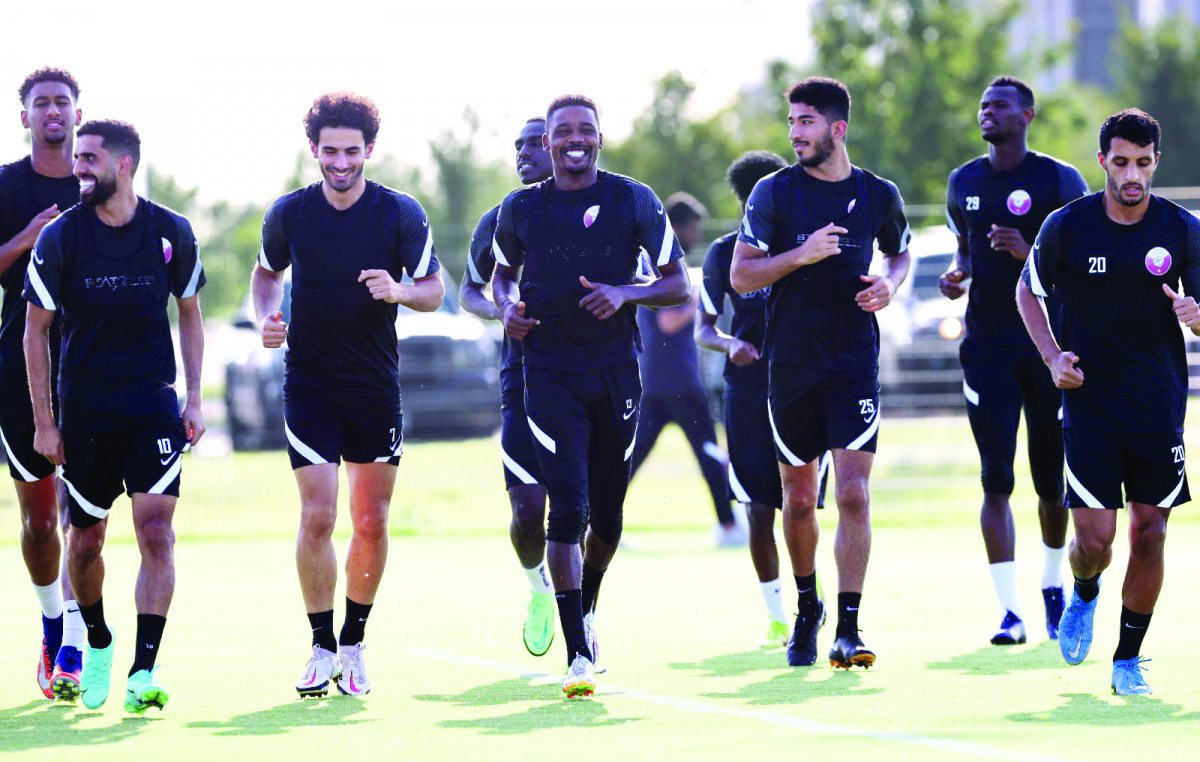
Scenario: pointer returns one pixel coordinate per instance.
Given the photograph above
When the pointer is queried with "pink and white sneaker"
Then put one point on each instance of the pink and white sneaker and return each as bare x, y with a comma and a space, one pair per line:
45, 669
353, 681
322, 669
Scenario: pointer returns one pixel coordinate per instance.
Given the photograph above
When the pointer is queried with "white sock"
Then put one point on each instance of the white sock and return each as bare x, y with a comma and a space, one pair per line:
74, 630
1004, 579
50, 596
772, 593
539, 579
1052, 572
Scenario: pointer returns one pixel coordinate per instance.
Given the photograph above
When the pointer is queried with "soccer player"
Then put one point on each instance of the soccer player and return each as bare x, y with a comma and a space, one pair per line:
578, 236
995, 205
1116, 259
809, 234
349, 242
33, 191
522, 476
110, 264
753, 473
671, 389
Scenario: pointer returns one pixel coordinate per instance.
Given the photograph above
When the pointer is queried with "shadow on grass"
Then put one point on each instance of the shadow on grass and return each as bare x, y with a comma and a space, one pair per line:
736, 664
307, 713
41, 724
495, 694
1088, 709
1003, 660
795, 686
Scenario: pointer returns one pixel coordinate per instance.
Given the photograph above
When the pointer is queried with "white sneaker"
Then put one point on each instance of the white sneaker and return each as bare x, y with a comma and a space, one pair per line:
353, 681
593, 643
732, 536
580, 681
321, 669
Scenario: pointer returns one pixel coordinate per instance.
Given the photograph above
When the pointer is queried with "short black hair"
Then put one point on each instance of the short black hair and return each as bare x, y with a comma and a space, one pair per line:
48, 74
683, 208
1133, 125
563, 101
827, 95
533, 119
342, 109
749, 168
1020, 85
116, 137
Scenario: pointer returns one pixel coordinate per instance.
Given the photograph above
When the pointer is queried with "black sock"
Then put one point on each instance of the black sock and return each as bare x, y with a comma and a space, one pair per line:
1133, 629
356, 622
97, 631
149, 635
1088, 588
848, 613
322, 628
806, 594
590, 589
570, 616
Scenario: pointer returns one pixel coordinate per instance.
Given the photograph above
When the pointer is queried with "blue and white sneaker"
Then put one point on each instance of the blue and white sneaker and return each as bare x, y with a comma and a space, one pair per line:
1055, 600
1011, 632
1075, 629
1127, 678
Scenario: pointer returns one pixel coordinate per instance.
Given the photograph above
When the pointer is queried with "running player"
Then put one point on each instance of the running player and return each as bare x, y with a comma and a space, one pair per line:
33, 191
110, 265
350, 241
526, 495
809, 234
753, 473
995, 205
1116, 259
578, 236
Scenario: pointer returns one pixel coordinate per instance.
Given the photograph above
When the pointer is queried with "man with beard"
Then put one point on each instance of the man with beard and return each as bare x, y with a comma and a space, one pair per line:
33, 191
809, 234
522, 476
995, 205
110, 264
1116, 259
578, 237
349, 242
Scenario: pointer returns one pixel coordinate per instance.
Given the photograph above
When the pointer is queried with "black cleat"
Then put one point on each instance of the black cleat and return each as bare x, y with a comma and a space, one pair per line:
1055, 603
1011, 632
802, 646
848, 651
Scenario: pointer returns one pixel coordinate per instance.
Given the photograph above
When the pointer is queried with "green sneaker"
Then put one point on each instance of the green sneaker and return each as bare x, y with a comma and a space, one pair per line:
144, 691
97, 671
777, 635
538, 633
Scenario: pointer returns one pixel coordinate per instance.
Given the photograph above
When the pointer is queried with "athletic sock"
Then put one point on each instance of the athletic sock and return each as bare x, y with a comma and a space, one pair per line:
98, 634
50, 596
590, 589
772, 593
848, 613
806, 594
355, 626
74, 630
1088, 589
539, 578
1052, 572
570, 616
1004, 579
52, 632
1133, 630
322, 629
149, 636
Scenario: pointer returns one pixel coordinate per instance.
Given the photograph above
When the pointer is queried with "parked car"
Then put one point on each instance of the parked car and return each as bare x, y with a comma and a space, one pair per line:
449, 376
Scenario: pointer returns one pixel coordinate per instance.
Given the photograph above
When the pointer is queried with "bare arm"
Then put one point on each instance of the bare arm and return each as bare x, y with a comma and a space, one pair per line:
191, 346
675, 319
46, 441
22, 242
752, 269
266, 296
670, 290
882, 288
1037, 323
474, 301
708, 336
506, 293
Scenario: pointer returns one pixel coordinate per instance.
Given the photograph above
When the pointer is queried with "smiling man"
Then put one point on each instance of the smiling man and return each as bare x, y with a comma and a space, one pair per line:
1116, 259
578, 237
995, 205
349, 243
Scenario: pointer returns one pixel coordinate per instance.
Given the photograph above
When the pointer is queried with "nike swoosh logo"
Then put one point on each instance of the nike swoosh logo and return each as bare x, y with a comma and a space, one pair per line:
1078, 647
750, 207
851, 609
1179, 472
660, 210
627, 416
38, 259
425, 223
165, 462
1130, 626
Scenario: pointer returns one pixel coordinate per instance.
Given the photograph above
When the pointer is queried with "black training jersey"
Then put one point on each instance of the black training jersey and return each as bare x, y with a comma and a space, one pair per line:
24, 194
749, 315
340, 337
117, 369
978, 197
1115, 315
812, 318
480, 266
596, 232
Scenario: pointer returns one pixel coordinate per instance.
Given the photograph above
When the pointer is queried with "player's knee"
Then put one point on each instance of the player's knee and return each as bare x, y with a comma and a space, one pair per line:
607, 527
853, 497
799, 495
526, 527
85, 545
40, 528
1148, 538
1092, 546
998, 478
566, 525
761, 519
155, 536
317, 522
371, 526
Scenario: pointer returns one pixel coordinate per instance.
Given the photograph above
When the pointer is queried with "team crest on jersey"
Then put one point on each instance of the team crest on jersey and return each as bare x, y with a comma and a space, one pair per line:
1019, 202
1158, 260
851, 205
589, 217
166, 250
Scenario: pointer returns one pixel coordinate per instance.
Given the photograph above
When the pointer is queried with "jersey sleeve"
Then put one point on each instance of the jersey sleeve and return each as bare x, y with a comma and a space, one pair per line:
43, 278
1045, 257
712, 287
1071, 184
653, 230
415, 240
956, 218
480, 262
185, 272
1191, 269
274, 254
893, 237
758, 222
506, 245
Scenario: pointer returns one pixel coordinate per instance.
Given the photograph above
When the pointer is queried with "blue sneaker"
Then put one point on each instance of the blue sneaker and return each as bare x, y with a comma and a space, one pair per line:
1054, 599
1127, 678
1011, 632
1075, 629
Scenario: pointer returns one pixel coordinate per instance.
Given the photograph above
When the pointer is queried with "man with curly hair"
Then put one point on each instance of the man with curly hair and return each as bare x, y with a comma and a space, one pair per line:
349, 242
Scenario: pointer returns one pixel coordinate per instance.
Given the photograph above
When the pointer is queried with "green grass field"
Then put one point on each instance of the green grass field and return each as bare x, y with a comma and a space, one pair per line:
677, 622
